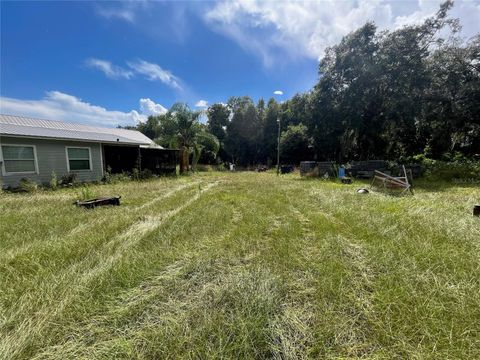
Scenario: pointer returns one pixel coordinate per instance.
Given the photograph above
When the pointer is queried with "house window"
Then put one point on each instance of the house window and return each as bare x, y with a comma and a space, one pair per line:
79, 158
19, 159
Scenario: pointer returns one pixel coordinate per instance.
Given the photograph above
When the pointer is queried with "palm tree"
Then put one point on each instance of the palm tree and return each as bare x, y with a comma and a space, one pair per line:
180, 128
205, 141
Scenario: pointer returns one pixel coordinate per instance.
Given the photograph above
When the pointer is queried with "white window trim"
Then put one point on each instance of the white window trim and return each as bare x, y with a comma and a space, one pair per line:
89, 157
35, 160
101, 158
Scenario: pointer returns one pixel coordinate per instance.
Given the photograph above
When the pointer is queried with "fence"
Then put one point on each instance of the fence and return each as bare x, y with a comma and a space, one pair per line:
357, 169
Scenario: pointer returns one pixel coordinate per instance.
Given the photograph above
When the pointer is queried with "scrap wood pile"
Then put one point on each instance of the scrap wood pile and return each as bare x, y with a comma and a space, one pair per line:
387, 182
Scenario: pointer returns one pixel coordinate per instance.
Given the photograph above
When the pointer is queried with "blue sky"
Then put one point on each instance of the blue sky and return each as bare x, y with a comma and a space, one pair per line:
112, 63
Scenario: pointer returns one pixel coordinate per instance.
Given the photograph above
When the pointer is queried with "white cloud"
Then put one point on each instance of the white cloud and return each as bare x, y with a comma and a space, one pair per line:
148, 107
467, 11
128, 11
202, 103
123, 13
64, 107
278, 92
151, 71
154, 72
307, 28
110, 70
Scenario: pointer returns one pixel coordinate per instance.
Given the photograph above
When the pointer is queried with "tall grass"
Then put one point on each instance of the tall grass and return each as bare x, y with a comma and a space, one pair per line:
242, 265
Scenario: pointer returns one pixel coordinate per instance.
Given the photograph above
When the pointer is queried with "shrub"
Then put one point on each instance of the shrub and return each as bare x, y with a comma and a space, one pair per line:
452, 167
69, 179
222, 167
27, 185
146, 174
135, 174
110, 178
53, 181
203, 168
462, 171
107, 176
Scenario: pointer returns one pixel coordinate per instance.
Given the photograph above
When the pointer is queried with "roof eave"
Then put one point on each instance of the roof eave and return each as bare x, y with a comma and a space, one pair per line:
72, 139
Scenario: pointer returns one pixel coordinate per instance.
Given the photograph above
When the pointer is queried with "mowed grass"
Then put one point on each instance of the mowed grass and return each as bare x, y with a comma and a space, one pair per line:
241, 265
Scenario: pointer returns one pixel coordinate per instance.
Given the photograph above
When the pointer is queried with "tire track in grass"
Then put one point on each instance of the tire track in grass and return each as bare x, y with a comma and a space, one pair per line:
196, 274
63, 239
65, 271
184, 273
167, 194
201, 291
129, 238
351, 338
196, 277
292, 327
420, 249
58, 245
425, 264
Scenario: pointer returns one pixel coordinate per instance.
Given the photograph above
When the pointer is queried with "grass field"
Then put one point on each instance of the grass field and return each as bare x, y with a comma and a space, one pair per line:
241, 265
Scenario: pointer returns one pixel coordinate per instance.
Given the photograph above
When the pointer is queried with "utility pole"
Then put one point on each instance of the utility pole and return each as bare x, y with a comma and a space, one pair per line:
279, 93
278, 147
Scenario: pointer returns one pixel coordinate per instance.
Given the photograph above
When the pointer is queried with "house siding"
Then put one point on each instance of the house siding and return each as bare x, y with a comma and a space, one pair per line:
51, 156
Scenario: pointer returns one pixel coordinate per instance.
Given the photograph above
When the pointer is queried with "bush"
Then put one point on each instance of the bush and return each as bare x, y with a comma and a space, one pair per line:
141, 174
462, 171
203, 168
146, 174
69, 179
53, 181
135, 174
222, 167
110, 178
452, 167
27, 185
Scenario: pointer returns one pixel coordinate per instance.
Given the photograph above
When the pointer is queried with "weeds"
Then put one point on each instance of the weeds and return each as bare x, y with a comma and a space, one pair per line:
240, 265
27, 185
53, 181
86, 192
69, 179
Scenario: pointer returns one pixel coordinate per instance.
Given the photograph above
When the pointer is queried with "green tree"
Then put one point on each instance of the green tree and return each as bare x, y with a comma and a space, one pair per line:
391, 94
218, 119
180, 128
451, 113
150, 128
206, 143
270, 131
244, 131
295, 144
349, 75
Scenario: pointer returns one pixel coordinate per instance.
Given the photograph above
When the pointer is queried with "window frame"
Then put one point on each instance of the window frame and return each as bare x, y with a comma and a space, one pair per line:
2, 160
89, 158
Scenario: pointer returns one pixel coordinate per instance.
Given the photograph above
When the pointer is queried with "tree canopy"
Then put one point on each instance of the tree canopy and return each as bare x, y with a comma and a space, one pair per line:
380, 95
181, 129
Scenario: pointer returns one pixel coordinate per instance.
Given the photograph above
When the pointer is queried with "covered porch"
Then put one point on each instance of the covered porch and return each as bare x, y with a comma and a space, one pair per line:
124, 158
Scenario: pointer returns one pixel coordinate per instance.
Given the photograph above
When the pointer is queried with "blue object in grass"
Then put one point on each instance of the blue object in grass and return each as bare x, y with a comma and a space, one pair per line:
341, 172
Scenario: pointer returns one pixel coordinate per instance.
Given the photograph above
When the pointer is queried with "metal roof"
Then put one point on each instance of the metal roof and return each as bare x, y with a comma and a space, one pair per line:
30, 127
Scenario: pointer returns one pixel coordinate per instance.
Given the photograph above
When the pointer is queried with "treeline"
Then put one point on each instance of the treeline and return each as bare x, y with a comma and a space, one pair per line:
380, 95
